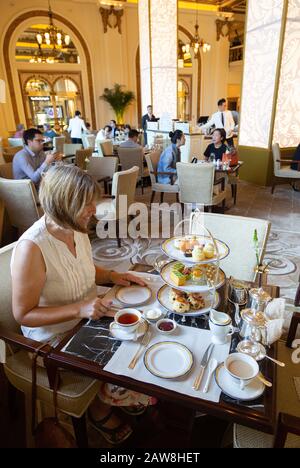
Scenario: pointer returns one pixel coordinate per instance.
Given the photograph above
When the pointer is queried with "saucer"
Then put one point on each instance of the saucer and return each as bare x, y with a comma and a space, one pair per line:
124, 335
251, 392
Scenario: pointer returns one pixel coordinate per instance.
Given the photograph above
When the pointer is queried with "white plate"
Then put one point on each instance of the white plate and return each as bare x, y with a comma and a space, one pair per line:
168, 360
163, 299
168, 247
124, 335
189, 286
252, 391
133, 295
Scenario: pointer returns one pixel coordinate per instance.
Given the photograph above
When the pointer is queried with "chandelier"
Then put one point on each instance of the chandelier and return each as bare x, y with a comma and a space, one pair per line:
52, 37
196, 44
40, 57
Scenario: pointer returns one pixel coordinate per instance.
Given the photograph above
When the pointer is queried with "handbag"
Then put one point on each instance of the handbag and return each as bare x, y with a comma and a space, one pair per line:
232, 158
49, 433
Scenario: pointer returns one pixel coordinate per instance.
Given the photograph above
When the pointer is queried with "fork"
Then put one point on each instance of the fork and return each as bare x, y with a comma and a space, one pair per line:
145, 341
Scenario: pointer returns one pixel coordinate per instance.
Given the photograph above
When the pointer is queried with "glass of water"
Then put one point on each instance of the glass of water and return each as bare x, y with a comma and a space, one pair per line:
212, 158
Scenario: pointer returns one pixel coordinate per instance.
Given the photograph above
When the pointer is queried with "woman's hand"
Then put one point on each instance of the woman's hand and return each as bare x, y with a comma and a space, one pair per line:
95, 309
125, 279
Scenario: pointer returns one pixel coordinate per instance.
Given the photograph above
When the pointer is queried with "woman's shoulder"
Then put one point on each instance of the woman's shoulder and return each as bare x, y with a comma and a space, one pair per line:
37, 231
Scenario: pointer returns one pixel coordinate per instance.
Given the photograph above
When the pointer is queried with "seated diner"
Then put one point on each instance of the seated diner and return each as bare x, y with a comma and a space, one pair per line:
31, 161
217, 148
169, 157
55, 279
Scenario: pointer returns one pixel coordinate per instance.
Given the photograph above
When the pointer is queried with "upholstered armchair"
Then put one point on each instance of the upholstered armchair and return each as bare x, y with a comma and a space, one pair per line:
282, 169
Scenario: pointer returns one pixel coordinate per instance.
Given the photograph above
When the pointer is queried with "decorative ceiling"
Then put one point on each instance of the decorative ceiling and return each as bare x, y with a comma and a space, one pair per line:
235, 6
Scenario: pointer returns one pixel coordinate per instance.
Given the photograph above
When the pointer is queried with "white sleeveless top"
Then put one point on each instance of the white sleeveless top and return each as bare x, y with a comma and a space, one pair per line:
68, 279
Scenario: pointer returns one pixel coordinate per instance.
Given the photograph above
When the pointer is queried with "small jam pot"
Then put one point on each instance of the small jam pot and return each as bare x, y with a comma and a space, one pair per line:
166, 326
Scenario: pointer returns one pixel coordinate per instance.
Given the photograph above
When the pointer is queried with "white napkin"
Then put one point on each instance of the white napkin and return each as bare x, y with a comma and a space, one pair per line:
195, 340
275, 313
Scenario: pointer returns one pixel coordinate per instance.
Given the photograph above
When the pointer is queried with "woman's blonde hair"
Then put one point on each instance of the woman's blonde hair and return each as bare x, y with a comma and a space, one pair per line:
64, 193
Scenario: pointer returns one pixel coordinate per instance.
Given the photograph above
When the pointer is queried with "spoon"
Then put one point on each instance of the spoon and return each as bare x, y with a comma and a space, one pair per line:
213, 364
279, 363
263, 354
264, 381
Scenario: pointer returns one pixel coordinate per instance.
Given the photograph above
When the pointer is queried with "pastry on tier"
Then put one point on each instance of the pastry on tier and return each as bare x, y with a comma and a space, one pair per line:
183, 302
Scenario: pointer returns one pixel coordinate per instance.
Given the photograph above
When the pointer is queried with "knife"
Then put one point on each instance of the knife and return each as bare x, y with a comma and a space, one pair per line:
203, 365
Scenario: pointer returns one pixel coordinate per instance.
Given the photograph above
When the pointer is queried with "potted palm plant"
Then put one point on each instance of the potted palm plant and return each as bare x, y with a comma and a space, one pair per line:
119, 100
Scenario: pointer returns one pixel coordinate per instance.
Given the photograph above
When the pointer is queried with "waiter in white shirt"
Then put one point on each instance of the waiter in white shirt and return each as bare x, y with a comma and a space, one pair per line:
76, 127
222, 119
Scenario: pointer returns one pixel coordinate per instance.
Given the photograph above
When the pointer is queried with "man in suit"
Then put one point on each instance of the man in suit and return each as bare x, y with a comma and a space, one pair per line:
113, 125
222, 119
149, 117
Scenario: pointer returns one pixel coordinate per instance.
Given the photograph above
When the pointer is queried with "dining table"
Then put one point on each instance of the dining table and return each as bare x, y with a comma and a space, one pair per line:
259, 414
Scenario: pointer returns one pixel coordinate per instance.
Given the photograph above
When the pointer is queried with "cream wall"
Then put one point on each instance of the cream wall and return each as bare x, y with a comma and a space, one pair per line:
113, 56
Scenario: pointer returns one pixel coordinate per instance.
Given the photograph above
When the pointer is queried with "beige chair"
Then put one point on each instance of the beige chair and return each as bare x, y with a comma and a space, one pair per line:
99, 148
152, 160
103, 169
75, 392
237, 232
20, 200
16, 142
110, 210
58, 143
9, 153
6, 171
70, 151
282, 171
88, 141
82, 157
197, 185
107, 147
71, 148
133, 157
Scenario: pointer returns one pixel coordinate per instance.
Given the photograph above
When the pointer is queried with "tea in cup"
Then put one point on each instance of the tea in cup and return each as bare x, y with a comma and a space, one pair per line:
220, 326
242, 369
128, 320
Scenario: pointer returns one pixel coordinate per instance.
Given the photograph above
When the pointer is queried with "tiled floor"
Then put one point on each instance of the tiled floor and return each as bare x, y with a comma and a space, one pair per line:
282, 208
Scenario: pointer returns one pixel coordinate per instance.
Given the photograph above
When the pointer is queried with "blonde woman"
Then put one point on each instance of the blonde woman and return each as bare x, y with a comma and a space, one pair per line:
54, 278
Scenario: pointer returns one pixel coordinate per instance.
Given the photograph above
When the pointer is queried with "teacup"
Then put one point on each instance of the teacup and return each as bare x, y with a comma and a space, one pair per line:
221, 327
128, 320
242, 369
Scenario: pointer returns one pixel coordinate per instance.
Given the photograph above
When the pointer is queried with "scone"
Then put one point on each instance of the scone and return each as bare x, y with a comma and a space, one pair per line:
196, 301
181, 305
175, 294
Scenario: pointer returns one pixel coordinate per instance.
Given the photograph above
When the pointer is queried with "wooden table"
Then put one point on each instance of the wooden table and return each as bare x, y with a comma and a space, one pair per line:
233, 170
260, 418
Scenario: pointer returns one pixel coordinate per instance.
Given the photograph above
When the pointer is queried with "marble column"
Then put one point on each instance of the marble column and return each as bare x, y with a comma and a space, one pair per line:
158, 52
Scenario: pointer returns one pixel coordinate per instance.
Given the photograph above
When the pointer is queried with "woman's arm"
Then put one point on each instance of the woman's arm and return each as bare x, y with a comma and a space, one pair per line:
124, 279
28, 280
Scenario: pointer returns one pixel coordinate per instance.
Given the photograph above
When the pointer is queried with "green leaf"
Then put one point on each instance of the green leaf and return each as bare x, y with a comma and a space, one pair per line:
118, 99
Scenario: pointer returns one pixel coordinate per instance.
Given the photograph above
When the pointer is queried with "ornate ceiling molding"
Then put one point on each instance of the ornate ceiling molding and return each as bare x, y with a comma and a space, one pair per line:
109, 14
